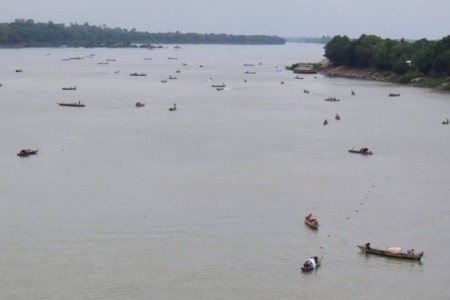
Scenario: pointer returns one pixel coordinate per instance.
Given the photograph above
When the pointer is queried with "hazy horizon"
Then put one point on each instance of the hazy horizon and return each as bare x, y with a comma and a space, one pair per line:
284, 18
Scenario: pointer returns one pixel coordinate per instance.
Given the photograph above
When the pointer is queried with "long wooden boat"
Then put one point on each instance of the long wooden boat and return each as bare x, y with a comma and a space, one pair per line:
394, 94
311, 221
218, 85
72, 104
69, 88
363, 151
27, 152
308, 266
410, 255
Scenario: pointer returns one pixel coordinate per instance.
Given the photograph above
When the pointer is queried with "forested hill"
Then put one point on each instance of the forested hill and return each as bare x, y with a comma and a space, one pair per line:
27, 33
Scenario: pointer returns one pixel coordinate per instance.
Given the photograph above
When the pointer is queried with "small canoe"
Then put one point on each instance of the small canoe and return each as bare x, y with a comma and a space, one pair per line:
312, 222
394, 94
392, 252
72, 104
363, 151
27, 152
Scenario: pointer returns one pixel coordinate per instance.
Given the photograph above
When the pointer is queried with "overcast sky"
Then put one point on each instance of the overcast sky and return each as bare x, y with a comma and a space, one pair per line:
411, 19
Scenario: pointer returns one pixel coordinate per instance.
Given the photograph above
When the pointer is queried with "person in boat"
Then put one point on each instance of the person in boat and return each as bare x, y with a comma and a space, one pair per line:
411, 252
364, 150
308, 217
316, 259
367, 245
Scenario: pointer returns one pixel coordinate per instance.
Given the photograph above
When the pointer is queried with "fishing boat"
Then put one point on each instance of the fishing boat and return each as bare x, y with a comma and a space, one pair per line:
140, 104
332, 99
138, 74
394, 94
69, 88
173, 108
337, 117
27, 152
306, 91
363, 151
73, 104
311, 221
218, 85
392, 252
311, 264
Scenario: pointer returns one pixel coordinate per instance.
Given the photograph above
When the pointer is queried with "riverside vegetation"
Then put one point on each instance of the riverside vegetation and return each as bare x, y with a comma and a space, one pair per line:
27, 33
421, 63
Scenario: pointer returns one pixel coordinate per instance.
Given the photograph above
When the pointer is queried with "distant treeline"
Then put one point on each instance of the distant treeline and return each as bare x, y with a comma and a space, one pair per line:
421, 58
322, 40
27, 33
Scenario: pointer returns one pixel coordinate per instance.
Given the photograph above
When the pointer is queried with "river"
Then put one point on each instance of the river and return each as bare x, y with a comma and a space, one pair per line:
208, 201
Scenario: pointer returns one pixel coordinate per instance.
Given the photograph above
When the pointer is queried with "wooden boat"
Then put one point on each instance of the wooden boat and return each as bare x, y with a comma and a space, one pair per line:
219, 89
306, 91
311, 264
332, 99
218, 85
140, 104
394, 94
363, 151
27, 152
74, 104
138, 74
446, 122
337, 117
311, 221
391, 252
69, 88
298, 77
174, 108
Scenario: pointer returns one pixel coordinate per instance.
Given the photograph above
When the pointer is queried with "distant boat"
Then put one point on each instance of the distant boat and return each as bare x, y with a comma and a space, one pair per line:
248, 72
140, 104
337, 117
394, 94
138, 74
172, 77
73, 104
69, 88
306, 91
311, 264
19, 71
332, 99
110, 59
363, 151
353, 93
220, 88
311, 221
27, 152
219, 85
164, 81
174, 108
297, 77
249, 65
446, 122
102, 63
394, 252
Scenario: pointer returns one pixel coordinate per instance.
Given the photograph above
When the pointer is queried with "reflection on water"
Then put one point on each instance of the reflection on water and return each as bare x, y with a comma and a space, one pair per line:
209, 201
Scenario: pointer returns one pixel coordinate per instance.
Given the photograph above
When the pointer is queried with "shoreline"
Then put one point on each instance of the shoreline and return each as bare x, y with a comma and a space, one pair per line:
353, 73
373, 74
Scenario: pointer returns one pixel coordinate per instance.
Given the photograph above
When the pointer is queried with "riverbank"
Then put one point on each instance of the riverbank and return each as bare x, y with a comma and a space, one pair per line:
411, 79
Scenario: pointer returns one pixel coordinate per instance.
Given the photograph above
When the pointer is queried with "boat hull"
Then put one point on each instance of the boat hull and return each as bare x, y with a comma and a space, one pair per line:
25, 153
311, 224
391, 254
71, 104
361, 152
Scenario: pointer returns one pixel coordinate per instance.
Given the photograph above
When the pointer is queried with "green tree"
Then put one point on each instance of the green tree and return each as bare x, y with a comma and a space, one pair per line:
338, 50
